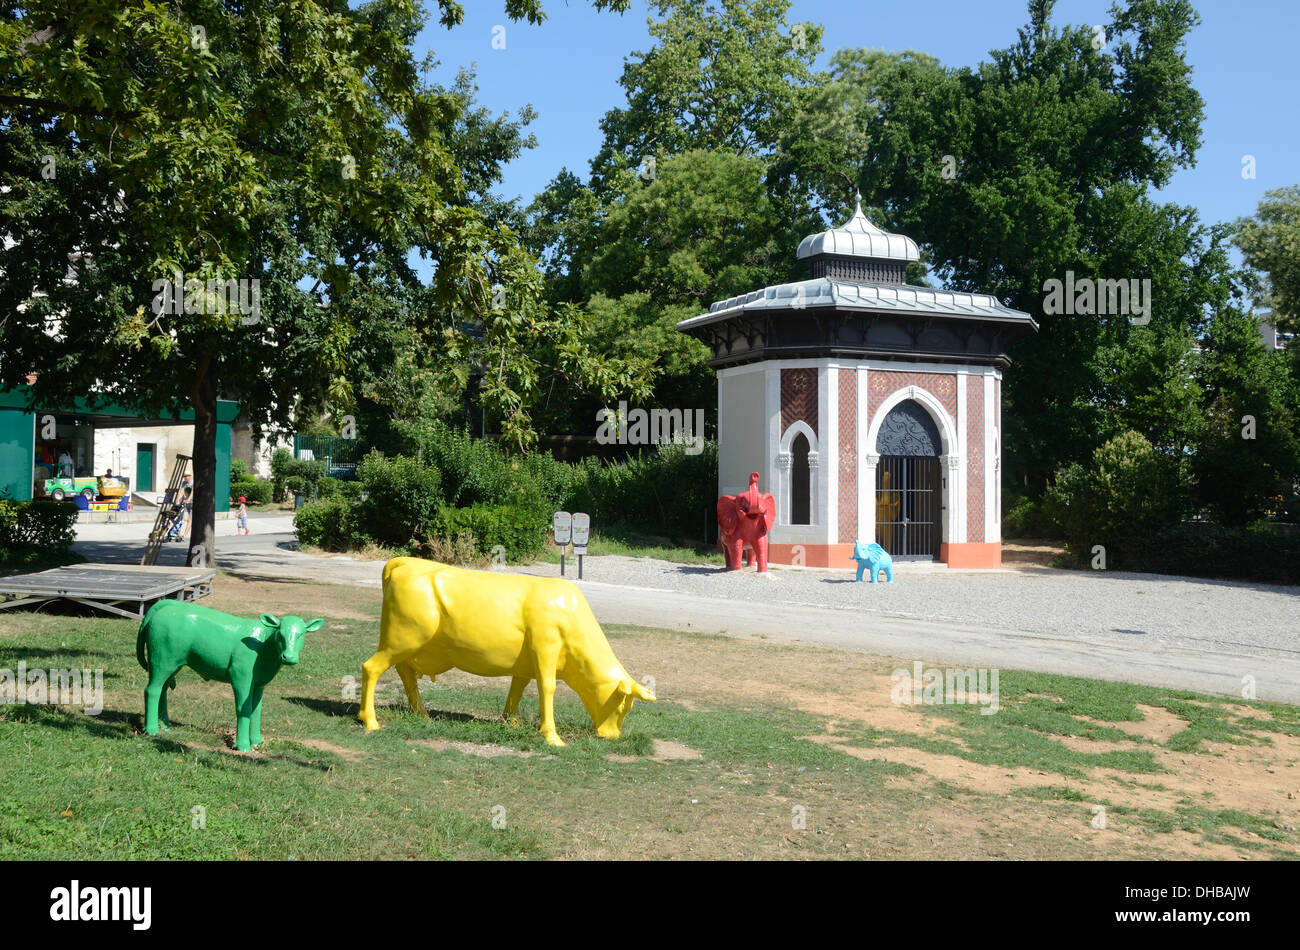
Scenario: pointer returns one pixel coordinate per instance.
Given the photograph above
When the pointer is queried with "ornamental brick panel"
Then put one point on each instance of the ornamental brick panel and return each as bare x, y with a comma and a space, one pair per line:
882, 383
848, 487
975, 459
799, 399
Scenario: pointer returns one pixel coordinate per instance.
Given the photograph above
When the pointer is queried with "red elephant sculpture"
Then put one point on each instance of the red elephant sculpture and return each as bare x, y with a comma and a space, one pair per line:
743, 523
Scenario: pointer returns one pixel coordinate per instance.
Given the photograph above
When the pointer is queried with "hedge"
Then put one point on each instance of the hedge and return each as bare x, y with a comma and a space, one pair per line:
1198, 549
330, 525
460, 486
515, 530
38, 527
404, 495
256, 490
284, 467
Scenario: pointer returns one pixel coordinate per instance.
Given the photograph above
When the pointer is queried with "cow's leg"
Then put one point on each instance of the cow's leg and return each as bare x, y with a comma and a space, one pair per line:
164, 721
155, 700
411, 681
546, 664
760, 553
371, 670
255, 718
243, 712
151, 706
517, 686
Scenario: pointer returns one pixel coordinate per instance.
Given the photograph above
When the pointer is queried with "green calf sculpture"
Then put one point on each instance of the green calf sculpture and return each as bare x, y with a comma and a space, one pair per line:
218, 646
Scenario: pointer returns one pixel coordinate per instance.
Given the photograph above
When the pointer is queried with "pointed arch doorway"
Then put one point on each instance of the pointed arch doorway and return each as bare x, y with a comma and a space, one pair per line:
909, 486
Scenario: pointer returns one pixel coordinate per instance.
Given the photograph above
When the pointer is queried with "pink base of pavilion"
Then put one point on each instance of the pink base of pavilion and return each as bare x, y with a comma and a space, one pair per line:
967, 555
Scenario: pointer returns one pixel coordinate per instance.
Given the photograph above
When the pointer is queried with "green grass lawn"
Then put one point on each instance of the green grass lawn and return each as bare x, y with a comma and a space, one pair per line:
462, 784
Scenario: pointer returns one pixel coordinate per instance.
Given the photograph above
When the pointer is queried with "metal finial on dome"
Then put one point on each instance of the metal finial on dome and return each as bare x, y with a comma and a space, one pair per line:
858, 237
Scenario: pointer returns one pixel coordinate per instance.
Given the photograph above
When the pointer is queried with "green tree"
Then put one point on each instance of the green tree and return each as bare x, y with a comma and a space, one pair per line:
680, 209
290, 143
1270, 242
1249, 451
1128, 488
1035, 163
723, 75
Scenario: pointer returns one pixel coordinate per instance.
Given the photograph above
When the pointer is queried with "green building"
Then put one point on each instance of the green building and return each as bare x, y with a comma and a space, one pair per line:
135, 446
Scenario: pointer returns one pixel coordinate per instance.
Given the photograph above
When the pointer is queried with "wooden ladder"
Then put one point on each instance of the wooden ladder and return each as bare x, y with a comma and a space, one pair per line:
171, 503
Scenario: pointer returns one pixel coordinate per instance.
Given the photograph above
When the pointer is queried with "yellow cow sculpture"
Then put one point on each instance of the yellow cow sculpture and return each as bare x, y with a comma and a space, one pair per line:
436, 618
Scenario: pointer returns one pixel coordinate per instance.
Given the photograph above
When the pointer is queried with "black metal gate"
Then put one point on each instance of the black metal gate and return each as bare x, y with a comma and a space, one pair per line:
908, 501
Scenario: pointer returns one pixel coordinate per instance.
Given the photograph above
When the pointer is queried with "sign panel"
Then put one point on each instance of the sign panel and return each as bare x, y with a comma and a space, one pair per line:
562, 525
581, 531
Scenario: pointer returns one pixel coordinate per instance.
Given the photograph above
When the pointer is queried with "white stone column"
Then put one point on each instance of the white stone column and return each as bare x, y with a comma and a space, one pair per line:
814, 488
866, 479
867, 498
953, 469
783, 494
828, 398
990, 464
958, 471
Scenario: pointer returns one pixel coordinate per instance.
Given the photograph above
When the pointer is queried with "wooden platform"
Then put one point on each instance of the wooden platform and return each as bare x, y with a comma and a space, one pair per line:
127, 590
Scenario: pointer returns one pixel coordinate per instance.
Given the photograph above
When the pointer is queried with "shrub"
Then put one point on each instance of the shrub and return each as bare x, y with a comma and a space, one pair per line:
284, 467
330, 525
474, 472
1024, 517
38, 528
515, 530
1129, 488
403, 498
462, 486
256, 490
665, 492
460, 549
281, 459
238, 470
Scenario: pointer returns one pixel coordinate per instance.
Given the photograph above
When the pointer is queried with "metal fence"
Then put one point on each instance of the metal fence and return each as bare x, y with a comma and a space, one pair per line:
339, 455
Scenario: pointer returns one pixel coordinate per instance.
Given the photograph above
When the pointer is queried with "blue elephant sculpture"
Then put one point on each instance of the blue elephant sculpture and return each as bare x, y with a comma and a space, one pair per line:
874, 558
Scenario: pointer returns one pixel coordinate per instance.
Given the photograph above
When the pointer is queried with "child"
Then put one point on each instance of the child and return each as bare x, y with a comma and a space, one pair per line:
241, 517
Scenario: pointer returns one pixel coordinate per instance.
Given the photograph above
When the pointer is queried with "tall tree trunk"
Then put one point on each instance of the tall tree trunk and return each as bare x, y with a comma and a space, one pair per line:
203, 526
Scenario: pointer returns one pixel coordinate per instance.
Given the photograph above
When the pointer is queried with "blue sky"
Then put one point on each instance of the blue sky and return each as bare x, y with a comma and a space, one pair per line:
1242, 54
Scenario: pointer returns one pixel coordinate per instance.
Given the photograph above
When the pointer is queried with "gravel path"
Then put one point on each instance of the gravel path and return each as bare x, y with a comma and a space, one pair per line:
1142, 628
1093, 605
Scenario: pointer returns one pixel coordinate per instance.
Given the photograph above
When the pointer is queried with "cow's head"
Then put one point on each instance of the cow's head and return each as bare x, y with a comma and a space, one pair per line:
609, 703
290, 631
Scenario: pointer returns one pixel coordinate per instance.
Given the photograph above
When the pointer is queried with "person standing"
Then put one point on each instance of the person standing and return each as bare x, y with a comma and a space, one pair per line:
187, 504
241, 517
65, 464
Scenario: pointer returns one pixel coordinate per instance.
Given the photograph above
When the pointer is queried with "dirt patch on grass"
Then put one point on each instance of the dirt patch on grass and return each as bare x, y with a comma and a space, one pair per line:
665, 750
1157, 724
852, 691
484, 750
248, 597
343, 752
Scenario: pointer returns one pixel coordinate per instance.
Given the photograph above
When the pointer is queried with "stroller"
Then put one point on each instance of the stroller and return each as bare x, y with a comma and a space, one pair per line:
176, 525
